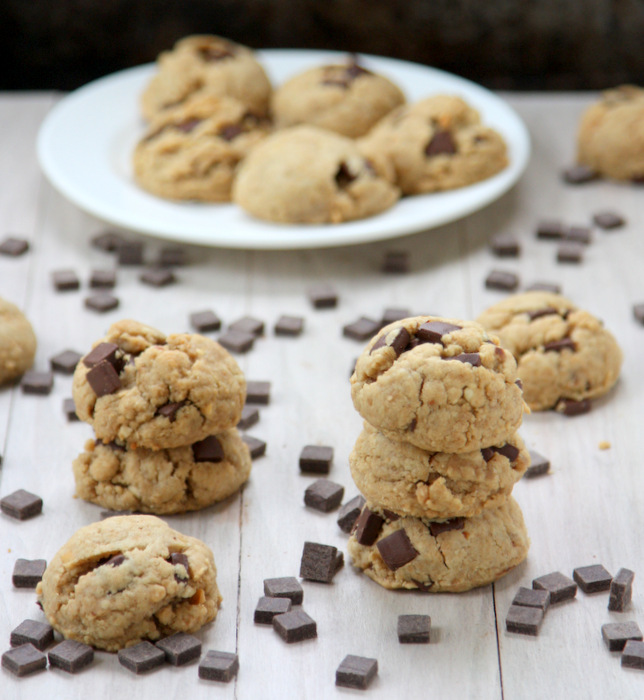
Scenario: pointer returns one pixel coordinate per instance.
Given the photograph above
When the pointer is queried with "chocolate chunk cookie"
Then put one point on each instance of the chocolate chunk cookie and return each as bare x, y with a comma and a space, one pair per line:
17, 342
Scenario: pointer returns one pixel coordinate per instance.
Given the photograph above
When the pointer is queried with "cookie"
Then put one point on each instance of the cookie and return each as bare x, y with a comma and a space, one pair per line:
145, 389
347, 99
443, 385
463, 553
436, 144
17, 342
410, 481
562, 352
610, 140
206, 65
309, 175
127, 579
162, 481
191, 151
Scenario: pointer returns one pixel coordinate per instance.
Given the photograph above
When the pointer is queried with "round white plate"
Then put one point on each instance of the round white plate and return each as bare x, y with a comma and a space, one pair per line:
85, 145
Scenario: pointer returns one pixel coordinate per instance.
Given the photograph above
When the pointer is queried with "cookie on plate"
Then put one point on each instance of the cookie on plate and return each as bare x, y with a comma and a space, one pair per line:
435, 144
127, 579
348, 99
562, 352
17, 342
206, 65
191, 151
610, 140
305, 174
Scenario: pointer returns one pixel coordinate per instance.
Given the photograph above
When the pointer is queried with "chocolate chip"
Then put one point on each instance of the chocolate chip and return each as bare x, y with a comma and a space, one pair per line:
433, 331
256, 446
509, 451
578, 175
324, 495
219, 666
593, 578
28, 572
499, 279
550, 230
414, 629
249, 417
258, 392
14, 246
368, 526
633, 655
391, 315
559, 586
356, 672
524, 620
295, 626
180, 559
170, 410
505, 245
438, 527
539, 313
570, 252
108, 241
323, 296
180, 648
316, 459
343, 176
69, 409
103, 379
362, 329
621, 590
608, 220
208, 450
71, 656
141, 657
228, 132
65, 280
396, 338
104, 352
638, 313
204, 321
268, 607
471, 358
539, 465
172, 256
40, 383
101, 302
21, 504
40, 634
442, 143
532, 598
129, 252
23, 660
559, 345
580, 234
570, 407
487, 453
65, 362
544, 287
248, 324
289, 326
349, 513
396, 262
237, 341
616, 634
284, 587
157, 276
320, 562
396, 550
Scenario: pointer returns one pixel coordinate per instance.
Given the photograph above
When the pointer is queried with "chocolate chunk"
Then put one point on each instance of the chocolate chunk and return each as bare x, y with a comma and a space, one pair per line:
509, 451
550, 230
101, 302
249, 417
180, 648
362, 329
323, 296
532, 598
349, 513
108, 241
40, 383
71, 656
219, 666
316, 459
180, 559
414, 629
65, 362
608, 220
14, 246
289, 326
284, 587
524, 620
633, 654
580, 234
396, 262
157, 276
65, 280
544, 287
499, 279
344, 177
570, 252
320, 562
616, 634
116, 560
24, 660
21, 504
141, 657
295, 626
559, 345
170, 410
559, 586
268, 607
487, 453
204, 321
396, 550
258, 392
538, 465
248, 324
621, 590
172, 256
256, 446
237, 341
592, 579
433, 331
638, 313
472, 358
391, 315
356, 672
570, 407
539, 313
69, 409
104, 352
40, 634
103, 379
323, 495
505, 245
578, 175
368, 526
228, 132
396, 338
129, 252
442, 143
208, 450
438, 527
28, 572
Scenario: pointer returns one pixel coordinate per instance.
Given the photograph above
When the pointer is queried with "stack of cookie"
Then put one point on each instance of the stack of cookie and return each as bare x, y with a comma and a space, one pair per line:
438, 457
163, 410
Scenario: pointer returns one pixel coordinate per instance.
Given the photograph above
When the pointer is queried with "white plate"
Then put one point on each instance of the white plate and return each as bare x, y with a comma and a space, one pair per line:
85, 145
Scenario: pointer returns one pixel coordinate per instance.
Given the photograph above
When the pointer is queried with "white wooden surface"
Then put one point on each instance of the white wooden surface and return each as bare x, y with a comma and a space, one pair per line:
588, 510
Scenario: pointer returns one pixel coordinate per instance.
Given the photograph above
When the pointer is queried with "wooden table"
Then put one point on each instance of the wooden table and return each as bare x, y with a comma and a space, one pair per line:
589, 509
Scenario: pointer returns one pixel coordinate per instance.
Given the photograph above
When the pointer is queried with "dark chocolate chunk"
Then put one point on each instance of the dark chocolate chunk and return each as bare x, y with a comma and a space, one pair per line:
433, 331
208, 450
316, 459
538, 465
500, 279
593, 578
295, 626
249, 417
505, 245
170, 410
343, 176
180, 648
205, 321
323, 296
21, 504
172, 256
248, 324
550, 229
356, 672
268, 607
14, 246
109, 241
180, 559
570, 407
237, 341
65, 280
396, 550
102, 279
101, 302
228, 132
40, 634
524, 620
129, 252
438, 527
471, 358
40, 383
28, 572
532, 598
324, 495
368, 526
320, 562
349, 513
570, 252
284, 587
396, 338
108, 352
414, 629
219, 666
559, 345
580, 234
442, 142
539, 313
608, 220
621, 590
69, 409
391, 315
256, 446
65, 362
638, 313
24, 660
71, 656
289, 326
115, 561
141, 657
509, 451
103, 379
487, 453
559, 586
633, 654
258, 392
362, 329
157, 276
544, 287
578, 175
396, 262
616, 634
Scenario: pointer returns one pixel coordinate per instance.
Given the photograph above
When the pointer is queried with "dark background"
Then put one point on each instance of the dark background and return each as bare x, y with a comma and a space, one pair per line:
502, 44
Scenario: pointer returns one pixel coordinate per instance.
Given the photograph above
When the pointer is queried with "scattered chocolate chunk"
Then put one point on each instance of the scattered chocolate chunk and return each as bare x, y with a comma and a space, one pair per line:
109, 241
414, 629
249, 417
616, 634
289, 326
633, 654
396, 550
108, 352
396, 338
608, 220
570, 407
219, 666
471, 358
544, 287
368, 526
356, 672
258, 392
129, 252
170, 410
141, 657
524, 620
40, 634
14, 246
28, 572
40, 383
362, 329
349, 513
71, 656
559, 345
256, 446
570, 252
539, 465
284, 587
316, 459
172, 256
324, 495
21, 504
65, 280
320, 562
103, 379
438, 527
592, 579
505, 245
532, 598
578, 175
101, 302
433, 331
102, 279
550, 229
442, 143
295, 626
396, 262
391, 315
23, 660
208, 450
621, 590
500, 279
69, 409
157, 276
248, 324
268, 607
580, 234
180, 648
204, 321
638, 313
65, 362
237, 341
323, 296
559, 586
540, 313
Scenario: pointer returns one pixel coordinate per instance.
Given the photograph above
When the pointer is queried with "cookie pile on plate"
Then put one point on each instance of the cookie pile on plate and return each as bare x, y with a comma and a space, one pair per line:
164, 411
438, 457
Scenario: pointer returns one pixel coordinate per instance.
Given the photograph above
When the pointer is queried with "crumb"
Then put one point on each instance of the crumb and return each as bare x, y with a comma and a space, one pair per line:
604, 445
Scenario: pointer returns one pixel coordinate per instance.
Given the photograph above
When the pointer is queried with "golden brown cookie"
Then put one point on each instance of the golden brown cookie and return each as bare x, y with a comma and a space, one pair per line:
17, 342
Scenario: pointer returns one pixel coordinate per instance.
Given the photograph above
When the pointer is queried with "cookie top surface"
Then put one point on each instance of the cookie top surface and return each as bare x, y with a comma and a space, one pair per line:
161, 391
17, 342
126, 579
309, 175
562, 352
347, 99
441, 384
